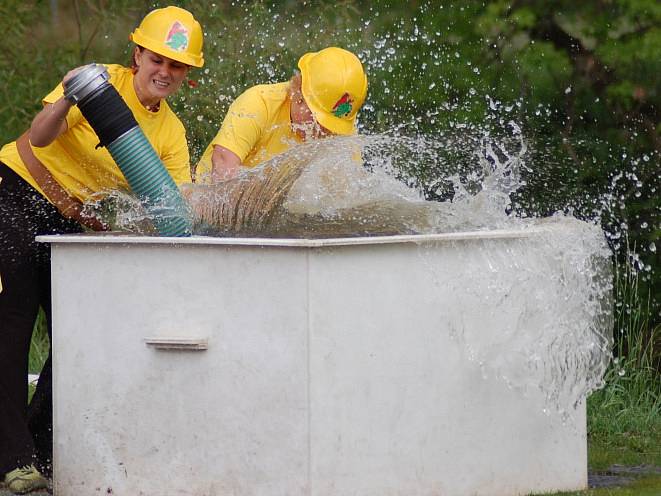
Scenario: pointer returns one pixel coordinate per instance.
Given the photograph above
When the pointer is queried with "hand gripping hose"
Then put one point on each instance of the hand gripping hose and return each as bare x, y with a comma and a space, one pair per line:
114, 124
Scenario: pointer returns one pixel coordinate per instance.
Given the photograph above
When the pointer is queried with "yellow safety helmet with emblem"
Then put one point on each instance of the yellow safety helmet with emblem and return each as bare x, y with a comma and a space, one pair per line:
334, 86
172, 32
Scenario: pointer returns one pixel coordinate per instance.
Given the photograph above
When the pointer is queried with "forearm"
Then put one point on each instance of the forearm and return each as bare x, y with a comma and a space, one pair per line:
225, 164
49, 123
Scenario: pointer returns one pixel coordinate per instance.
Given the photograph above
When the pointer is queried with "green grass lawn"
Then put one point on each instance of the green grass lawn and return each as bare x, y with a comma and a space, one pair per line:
643, 487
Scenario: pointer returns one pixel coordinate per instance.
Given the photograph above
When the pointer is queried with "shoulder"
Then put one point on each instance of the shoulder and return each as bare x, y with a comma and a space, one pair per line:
119, 72
121, 78
259, 103
265, 94
270, 92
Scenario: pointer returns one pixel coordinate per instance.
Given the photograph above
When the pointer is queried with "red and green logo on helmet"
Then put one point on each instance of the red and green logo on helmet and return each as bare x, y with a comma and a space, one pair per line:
343, 106
178, 37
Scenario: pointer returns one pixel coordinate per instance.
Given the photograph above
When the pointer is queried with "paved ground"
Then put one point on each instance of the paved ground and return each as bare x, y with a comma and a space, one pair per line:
615, 476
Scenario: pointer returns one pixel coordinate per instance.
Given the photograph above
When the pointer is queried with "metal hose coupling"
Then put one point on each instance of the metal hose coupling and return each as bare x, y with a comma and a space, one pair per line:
118, 131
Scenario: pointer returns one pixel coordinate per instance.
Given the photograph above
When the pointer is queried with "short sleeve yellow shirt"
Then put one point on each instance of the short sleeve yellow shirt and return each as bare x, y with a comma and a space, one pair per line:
257, 127
81, 168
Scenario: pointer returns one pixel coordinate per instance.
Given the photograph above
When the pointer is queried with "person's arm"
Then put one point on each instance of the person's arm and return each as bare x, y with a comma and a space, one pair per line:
240, 132
51, 121
225, 164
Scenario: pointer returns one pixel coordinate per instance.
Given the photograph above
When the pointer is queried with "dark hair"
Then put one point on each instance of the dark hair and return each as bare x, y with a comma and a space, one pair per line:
133, 63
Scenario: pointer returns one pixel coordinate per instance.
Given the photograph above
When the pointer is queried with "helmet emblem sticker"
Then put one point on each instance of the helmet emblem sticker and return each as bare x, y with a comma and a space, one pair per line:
343, 106
178, 37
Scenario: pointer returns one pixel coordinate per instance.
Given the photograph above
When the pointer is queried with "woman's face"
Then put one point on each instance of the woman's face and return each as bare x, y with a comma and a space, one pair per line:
157, 77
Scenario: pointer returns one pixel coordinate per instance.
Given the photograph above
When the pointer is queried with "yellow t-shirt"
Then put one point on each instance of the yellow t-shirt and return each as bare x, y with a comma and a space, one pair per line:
257, 127
81, 168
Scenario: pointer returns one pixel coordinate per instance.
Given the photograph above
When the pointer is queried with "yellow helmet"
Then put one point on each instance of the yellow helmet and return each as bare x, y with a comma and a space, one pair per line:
334, 86
172, 32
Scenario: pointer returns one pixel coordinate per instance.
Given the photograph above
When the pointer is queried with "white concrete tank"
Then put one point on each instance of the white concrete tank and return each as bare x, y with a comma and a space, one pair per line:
282, 367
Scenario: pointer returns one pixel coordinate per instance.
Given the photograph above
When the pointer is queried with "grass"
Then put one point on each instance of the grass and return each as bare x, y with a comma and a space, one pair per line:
38, 349
39, 345
625, 416
648, 486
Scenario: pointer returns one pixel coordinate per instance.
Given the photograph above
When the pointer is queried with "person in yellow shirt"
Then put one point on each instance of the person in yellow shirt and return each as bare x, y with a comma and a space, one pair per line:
45, 176
322, 99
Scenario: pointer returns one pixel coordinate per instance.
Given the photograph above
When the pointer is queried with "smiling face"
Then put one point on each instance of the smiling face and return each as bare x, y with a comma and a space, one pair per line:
156, 76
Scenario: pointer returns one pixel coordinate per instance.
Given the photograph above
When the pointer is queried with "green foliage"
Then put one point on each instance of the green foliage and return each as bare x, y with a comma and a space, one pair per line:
626, 413
20, 88
546, 73
40, 46
39, 345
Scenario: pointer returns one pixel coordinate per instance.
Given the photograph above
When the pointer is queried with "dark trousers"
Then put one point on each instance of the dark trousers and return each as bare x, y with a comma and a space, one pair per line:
25, 433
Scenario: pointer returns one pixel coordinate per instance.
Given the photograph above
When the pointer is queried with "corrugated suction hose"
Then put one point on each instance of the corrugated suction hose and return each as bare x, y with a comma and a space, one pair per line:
114, 124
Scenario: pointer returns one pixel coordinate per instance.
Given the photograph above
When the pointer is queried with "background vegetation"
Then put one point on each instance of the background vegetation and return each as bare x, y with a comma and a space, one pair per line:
581, 79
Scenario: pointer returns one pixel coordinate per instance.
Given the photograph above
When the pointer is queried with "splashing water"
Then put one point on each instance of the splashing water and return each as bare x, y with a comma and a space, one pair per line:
550, 296
322, 189
370, 185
